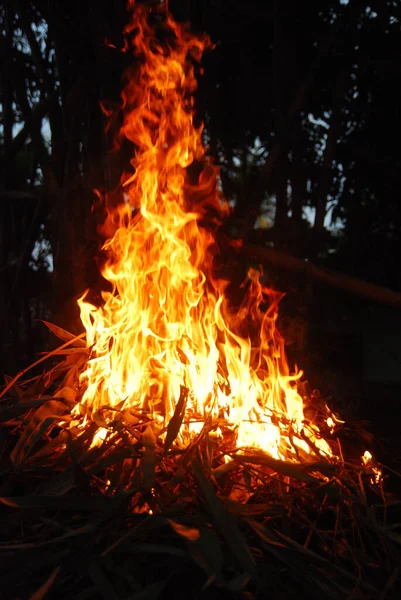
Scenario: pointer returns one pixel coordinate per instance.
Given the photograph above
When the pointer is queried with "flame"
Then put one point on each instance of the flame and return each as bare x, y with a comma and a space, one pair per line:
165, 334
366, 457
367, 461
330, 424
99, 437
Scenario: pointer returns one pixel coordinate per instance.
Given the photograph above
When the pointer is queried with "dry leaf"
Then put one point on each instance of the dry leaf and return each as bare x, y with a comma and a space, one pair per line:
190, 533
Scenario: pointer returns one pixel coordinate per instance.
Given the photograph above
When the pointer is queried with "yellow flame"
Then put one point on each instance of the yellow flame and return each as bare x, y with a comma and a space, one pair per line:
167, 328
99, 437
367, 461
330, 424
366, 457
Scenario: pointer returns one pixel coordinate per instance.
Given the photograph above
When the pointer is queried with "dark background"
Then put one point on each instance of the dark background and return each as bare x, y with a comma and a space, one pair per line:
301, 103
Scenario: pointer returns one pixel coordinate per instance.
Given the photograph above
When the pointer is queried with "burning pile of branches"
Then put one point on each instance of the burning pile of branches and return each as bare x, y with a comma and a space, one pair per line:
175, 432
129, 515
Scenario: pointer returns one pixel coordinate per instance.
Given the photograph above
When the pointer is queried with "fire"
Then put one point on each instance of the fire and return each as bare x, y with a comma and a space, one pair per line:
367, 461
165, 338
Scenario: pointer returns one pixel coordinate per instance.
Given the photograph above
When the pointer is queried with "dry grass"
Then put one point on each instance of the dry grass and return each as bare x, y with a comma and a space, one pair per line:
135, 518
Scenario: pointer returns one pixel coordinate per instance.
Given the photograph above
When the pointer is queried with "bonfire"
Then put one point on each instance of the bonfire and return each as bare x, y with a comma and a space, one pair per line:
178, 405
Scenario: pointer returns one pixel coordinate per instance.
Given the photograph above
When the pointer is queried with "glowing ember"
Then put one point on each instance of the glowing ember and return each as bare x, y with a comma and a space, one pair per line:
165, 340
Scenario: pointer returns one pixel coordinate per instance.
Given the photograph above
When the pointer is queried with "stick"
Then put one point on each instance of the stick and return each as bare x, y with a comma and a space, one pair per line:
339, 280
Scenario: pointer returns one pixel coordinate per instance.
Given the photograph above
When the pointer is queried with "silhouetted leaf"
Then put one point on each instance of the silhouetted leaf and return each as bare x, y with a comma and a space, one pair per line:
89, 528
50, 451
157, 549
238, 583
284, 468
68, 393
73, 503
253, 509
15, 391
64, 335
11, 412
189, 533
43, 419
225, 522
101, 581
151, 592
175, 422
148, 462
206, 552
265, 534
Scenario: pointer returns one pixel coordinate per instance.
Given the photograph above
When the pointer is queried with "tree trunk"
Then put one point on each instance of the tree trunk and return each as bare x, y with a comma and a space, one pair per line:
7, 100
329, 154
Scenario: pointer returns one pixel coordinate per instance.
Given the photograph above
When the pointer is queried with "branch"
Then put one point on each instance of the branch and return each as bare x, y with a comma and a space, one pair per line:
34, 46
329, 154
37, 114
296, 106
305, 86
7, 100
356, 286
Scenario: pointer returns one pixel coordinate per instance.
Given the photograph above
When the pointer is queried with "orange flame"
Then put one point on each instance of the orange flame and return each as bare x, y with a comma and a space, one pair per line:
165, 333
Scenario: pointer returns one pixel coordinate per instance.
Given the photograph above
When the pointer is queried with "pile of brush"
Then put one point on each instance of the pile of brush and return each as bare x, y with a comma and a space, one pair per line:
136, 518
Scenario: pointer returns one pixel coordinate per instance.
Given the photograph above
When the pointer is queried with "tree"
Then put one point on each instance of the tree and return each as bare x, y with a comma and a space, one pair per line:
56, 71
